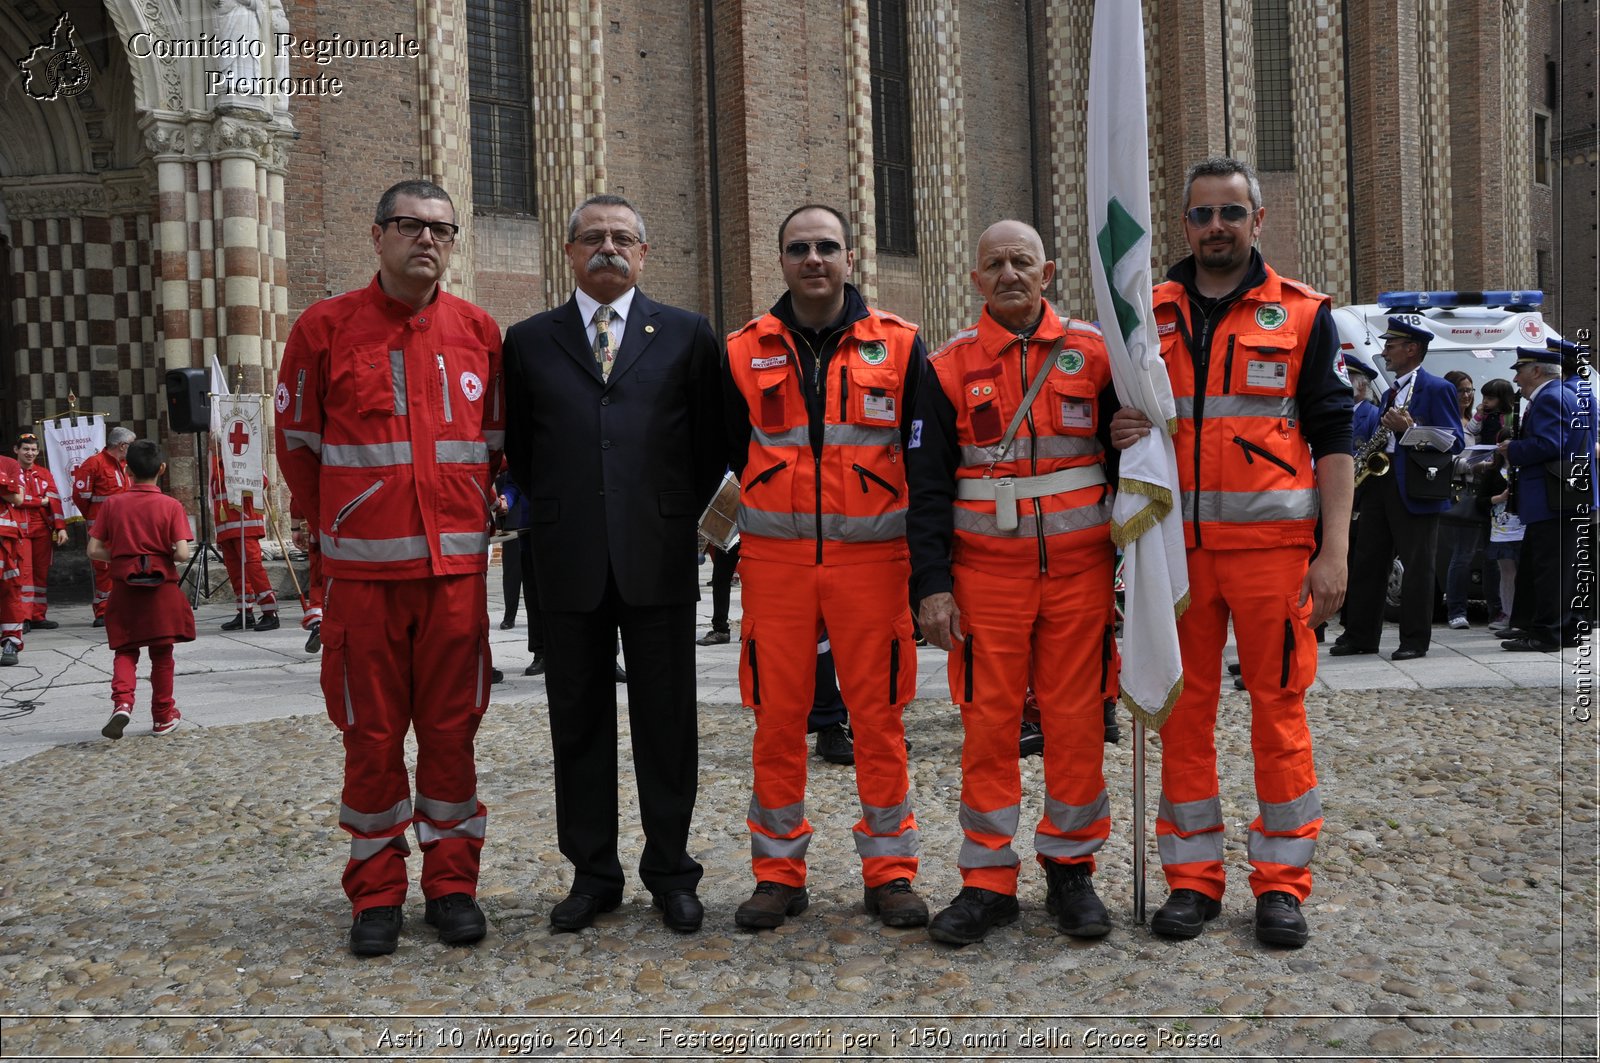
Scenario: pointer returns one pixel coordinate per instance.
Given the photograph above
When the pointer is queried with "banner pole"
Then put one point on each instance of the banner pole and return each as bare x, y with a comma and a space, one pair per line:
1138, 819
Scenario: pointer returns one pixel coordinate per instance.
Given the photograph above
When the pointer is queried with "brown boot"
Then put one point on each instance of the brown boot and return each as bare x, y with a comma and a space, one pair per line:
770, 905
896, 904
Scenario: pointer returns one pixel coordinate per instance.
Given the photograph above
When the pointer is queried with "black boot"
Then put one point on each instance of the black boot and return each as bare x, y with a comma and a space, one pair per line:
240, 620
1070, 897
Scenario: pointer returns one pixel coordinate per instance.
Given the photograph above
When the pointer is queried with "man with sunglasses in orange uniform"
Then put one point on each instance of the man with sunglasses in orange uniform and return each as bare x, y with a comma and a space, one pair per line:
1254, 363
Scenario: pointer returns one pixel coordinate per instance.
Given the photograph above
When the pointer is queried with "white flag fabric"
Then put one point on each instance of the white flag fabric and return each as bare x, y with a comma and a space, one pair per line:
1145, 518
68, 443
240, 444
219, 388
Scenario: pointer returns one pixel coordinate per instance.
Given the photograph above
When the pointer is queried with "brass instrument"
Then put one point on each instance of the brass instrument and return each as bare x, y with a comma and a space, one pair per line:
1371, 459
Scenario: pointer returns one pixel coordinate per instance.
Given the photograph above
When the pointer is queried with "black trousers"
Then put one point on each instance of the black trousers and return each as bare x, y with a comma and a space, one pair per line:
1544, 604
723, 565
1386, 530
516, 577
580, 679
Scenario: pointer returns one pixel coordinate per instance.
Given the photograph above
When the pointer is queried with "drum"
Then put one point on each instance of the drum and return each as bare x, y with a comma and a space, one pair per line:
719, 524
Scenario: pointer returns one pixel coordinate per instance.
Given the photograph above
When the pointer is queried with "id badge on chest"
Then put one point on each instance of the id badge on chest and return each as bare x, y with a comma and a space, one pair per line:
1075, 414
878, 407
1267, 375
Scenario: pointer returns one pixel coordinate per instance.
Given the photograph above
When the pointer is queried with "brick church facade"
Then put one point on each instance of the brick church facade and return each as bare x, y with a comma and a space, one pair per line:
176, 198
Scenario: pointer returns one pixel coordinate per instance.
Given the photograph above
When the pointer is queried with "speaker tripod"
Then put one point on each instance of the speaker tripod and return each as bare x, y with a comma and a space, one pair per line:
206, 549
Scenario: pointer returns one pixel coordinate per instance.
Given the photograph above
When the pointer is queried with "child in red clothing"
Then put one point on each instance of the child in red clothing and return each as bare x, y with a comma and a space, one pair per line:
143, 534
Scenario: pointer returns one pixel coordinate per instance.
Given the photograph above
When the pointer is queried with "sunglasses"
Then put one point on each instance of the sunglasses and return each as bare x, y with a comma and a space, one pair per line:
1232, 213
800, 250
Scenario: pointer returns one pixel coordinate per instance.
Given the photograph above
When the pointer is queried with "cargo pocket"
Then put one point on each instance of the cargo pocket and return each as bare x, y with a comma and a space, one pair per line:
336, 678
749, 667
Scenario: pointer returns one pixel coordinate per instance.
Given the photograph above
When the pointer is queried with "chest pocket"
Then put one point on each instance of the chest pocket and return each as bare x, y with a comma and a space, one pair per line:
872, 394
982, 412
1072, 406
380, 379
1261, 363
777, 399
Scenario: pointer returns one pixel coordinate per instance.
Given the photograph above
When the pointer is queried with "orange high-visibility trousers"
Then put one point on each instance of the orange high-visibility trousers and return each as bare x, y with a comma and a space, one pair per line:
1278, 661
863, 606
1056, 626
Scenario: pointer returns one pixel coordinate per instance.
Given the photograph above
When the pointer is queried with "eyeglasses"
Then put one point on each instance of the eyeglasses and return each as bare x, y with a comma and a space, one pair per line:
411, 228
1232, 213
622, 240
800, 250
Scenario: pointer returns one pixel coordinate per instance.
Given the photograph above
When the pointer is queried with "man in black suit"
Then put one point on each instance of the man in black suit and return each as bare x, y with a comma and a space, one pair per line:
614, 432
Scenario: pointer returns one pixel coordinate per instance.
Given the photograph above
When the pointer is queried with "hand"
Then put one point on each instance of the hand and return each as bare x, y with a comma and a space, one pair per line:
298, 537
1324, 584
1128, 426
60, 537
940, 620
1396, 421
501, 506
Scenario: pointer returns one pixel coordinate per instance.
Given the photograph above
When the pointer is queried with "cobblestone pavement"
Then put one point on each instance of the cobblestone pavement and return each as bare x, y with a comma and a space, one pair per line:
179, 897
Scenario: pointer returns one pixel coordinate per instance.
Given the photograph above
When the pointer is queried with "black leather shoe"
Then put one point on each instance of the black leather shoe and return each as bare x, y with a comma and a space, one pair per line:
27, 626
376, 931
714, 637
99, 621
535, 666
1347, 649
239, 622
895, 903
1234, 668
1031, 741
314, 640
496, 677
1509, 633
46, 625
1070, 897
1530, 645
508, 623
458, 919
681, 910
770, 905
972, 915
836, 745
579, 910
268, 622
1406, 654
1185, 914
1278, 920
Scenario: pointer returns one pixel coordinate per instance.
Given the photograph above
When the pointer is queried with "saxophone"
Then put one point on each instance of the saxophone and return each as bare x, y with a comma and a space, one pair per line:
1371, 459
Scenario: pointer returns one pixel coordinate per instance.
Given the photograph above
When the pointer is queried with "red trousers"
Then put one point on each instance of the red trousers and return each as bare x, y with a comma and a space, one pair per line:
123, 673
38, 551
12, 609
102, 586
1058, 628
397, 656
256, 592
863, 607
1278, 661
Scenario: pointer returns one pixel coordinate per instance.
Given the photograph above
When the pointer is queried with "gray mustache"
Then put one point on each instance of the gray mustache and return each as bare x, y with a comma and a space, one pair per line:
601, 260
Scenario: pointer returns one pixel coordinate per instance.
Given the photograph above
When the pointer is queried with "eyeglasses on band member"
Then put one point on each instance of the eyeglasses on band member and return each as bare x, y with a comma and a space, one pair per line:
800, 250
621, 239
1232, 213
443, 232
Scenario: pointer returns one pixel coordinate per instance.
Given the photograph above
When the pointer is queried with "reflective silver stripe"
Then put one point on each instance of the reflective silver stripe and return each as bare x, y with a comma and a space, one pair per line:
1055, 847
1288, 816
885, 819
1052, 483
1059, 523
444, 811
294, 440
1001, 821
349, 703
1068, 818
299, 392
365, 455
1202, 848
871, 845
766, 847
98, 498
1293, 852
974, 855
794, 437
470, 828
460, 452
398, 815
782, 821
397, 373
884, 527
405, 548
495, 438
237, 525
1276, 406
1026, 447
7, 522
856, 435
365, 848
1252, 507
452, 544
1191, 816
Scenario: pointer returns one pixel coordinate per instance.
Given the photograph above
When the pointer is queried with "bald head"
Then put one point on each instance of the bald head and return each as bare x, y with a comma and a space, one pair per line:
1012, 273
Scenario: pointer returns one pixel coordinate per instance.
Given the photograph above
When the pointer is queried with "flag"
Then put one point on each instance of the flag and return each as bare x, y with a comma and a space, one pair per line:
1145, 518
68, 443
219, 389
240, 445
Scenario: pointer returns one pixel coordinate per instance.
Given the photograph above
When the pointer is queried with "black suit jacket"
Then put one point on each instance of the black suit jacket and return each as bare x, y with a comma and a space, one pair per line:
615, 472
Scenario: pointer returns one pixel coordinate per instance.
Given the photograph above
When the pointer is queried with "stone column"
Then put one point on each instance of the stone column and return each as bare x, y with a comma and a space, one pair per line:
568, 125
446, 115
940, 170
1069, 26
1316, 49
863, 205
1437, 266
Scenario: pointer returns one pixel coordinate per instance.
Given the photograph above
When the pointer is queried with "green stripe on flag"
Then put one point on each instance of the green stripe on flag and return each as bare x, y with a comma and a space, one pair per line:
1116, 238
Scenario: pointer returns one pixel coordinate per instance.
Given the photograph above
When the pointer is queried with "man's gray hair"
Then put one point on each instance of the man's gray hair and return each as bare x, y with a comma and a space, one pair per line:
605, 199
1222, 166
119, 435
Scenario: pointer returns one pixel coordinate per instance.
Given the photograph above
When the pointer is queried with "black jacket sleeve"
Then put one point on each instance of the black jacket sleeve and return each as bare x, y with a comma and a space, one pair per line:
1326, 402
932, 457
736, 420
709, 437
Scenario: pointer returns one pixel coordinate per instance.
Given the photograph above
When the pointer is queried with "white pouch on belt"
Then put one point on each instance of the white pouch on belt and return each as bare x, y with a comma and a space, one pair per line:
1005, 504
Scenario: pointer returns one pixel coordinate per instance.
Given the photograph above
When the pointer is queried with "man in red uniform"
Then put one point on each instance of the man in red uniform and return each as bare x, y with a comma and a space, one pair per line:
390, 411
818, 390
97, 479
239, 533
1253, 359
12, 526
47, 529
1012, 565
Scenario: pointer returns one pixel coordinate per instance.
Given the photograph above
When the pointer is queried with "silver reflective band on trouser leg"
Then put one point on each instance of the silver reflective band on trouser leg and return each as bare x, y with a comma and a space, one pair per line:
467, 828
1277, 819
366, 848
880, 837
777, 821
397, 815
1067, 819
1001, 822
446, 811
1291, 852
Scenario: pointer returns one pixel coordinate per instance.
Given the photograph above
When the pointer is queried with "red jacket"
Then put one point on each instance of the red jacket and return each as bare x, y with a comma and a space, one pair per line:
97, 479
387, 422
41, 502
13, 523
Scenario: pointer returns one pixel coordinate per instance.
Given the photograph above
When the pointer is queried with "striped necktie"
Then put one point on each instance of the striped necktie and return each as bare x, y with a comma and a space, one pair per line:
604, 350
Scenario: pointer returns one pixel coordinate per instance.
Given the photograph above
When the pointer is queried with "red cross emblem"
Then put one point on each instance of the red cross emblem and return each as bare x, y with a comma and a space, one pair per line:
239, 438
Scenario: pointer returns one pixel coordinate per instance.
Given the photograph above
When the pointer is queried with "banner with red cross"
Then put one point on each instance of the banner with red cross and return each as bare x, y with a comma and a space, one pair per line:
241, 443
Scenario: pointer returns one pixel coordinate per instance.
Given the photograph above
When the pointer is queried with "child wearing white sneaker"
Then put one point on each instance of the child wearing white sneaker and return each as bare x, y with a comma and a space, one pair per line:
143, 534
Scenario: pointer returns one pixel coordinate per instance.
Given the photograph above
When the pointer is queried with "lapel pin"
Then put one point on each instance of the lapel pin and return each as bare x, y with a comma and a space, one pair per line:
649, 328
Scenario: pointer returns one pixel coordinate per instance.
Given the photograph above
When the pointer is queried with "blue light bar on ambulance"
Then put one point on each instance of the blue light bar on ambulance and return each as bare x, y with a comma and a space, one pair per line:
1522, 301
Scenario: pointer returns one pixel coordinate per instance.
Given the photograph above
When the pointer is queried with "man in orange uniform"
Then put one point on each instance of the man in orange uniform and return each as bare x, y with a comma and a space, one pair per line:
97, 479
1012, 567
239, 533
818, 393
390, 413
1253, 359
47, 529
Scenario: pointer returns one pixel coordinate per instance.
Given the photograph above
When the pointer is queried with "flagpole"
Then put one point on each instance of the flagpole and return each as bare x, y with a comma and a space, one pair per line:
1138, 819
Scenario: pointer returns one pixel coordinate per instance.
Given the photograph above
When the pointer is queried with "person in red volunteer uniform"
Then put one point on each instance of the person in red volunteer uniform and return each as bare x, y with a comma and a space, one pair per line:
97, 479
1012, 568
47, 529
13, 525
239, 531
819, 390
1254, 363
143, 535
390, 411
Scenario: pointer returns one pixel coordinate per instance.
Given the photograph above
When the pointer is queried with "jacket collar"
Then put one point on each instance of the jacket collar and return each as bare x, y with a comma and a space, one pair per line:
995, 337
782, 312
